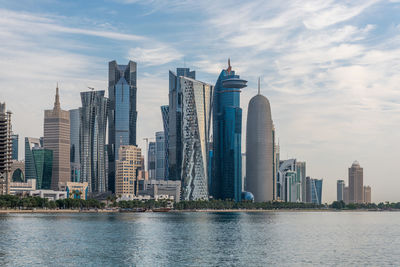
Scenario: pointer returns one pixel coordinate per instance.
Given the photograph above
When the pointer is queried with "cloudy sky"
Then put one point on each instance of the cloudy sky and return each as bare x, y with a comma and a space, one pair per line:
331, 69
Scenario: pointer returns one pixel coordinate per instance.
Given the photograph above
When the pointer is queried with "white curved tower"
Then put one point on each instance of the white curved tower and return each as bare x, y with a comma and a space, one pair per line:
260, 149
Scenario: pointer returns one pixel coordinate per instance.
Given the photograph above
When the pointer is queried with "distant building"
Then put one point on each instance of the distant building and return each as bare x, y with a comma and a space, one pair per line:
301, 174
356, 183
260, 150
346, 194
160, 156
5, 149
122, 111
93, 153
316, 191
22, 187
49, 194
17, 171
227, 138
75, 190
15, 138
165, 118
156, 188
340, 190
288, 183
308, 189
57, 139
151, 160
74, 118
128, 166
30, 144
244, 172
367, 194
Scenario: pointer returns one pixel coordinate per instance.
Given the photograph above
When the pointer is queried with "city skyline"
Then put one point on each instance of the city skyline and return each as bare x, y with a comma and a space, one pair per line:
333, 127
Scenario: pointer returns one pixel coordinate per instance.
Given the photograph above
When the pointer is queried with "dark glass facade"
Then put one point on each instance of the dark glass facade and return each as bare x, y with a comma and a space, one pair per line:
165, 118
15, 138
43, 159
226, 182
122, 112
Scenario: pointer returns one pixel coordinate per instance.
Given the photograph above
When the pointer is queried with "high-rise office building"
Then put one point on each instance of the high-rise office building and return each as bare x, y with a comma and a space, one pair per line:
5, 149
340, 190
227, 136
160, 156
308, 189
15, 139
151, 160
196, 126
165, 118
122, 111
175, 121
367, 194
93, 153
288, 187
43, 164
346, 194
127, 169
260, 149
30, 169
316, 191
74, 119
57, 138
301, 174
356, 184
243, 172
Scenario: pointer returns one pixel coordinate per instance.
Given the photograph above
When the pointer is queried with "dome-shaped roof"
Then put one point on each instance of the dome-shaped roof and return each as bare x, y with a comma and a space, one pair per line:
248, 196
355, 164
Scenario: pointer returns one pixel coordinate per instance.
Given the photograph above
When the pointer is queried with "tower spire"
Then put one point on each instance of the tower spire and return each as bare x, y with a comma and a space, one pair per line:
259, 85
57, 100
229, 66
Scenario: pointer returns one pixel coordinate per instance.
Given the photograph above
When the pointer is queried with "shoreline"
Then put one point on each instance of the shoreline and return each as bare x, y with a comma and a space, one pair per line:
69, 211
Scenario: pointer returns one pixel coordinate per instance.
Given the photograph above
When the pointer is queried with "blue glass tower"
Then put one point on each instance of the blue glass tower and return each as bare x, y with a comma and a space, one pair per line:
316, 191
227, 135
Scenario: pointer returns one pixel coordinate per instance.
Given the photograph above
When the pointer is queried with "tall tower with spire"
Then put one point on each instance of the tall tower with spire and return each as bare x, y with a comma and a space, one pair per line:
57, 138
226, 182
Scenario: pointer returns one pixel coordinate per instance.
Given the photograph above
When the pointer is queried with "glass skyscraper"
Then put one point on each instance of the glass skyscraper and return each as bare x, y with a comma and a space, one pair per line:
30, 169
93, 154
165, 118
226, 182
151, 160
43, 159
160, 156
175, 122
316, 191
15, 139
122, 112
74, 119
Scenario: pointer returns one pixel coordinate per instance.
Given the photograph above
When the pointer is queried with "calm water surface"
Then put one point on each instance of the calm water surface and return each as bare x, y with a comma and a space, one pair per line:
201, 239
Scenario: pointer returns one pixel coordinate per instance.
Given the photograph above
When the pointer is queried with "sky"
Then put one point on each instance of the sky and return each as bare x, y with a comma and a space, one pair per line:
330, 69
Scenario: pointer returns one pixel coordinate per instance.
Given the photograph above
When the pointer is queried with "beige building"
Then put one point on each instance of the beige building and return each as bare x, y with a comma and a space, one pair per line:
5, 150
356, 183
74, 189
127, 168
22, 188
57, 139
367, 194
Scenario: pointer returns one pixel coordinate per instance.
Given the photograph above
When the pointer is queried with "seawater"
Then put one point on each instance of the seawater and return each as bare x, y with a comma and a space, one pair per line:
201, 239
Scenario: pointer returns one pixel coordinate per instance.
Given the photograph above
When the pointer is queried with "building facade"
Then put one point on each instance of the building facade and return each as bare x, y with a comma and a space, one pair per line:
15, 146
57, 138
340, 190
288, 185
316, 191
128, 166
122, 111
157, 188
175, 121
356, 183
196, 126
260, 150
226, 182
5, 149
74, 118
75, 190
367, 194
160, 156
151, 160
301, 174
43, 160
93, 153
165, 118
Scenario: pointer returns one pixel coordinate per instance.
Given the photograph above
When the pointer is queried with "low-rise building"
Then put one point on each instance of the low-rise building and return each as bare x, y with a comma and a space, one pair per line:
49, 194
22, 188
160, 189
75, 190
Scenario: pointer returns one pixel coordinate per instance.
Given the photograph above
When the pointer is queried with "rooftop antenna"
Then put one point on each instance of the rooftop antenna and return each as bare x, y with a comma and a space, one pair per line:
91, 88
259, 85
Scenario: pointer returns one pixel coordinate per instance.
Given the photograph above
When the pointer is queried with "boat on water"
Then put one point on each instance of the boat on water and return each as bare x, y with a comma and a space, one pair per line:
132, 210
161, 209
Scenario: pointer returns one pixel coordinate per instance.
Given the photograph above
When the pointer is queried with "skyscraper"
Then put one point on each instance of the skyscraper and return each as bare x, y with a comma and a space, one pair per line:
160, 156
165, 118
151, 160
316, 191
227, 136
30, 169
57, 138
93, 154
288, 185
196, 126
175, 121
260, 149
127, 169
356, 184
122, 111
301, 174
5, 149
74, 119
340, 190
367, 194
15, 139
43, 163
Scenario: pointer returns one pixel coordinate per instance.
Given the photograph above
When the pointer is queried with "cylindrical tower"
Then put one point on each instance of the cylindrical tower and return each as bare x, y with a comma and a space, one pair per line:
260, 150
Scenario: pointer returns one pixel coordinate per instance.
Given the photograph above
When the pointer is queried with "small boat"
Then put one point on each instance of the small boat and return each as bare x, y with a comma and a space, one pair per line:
132, 210
161, 209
